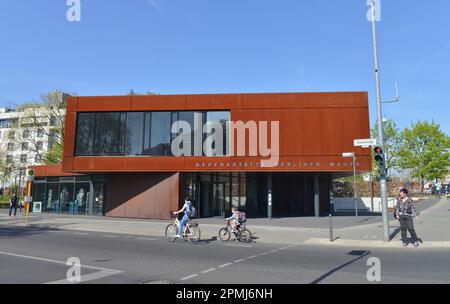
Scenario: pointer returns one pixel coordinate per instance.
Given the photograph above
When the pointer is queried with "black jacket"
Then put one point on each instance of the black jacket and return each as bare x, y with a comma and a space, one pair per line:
14, 200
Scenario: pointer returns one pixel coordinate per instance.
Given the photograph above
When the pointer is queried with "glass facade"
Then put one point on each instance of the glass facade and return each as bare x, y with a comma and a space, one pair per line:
214, 194
141, 133
70, 195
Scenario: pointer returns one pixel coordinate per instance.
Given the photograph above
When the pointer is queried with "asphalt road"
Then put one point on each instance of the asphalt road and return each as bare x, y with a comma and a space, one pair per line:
34, 255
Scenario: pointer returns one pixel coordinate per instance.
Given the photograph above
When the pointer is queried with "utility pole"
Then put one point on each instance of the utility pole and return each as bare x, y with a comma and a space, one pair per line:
386, 235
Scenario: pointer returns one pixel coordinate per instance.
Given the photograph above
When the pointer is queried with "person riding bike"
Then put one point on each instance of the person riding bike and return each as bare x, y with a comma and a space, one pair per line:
234, 219
187, 209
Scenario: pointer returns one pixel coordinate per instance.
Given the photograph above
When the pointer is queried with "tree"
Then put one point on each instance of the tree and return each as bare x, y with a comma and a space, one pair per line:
425, 150
5, 169
392, 139
44, 120
131, 92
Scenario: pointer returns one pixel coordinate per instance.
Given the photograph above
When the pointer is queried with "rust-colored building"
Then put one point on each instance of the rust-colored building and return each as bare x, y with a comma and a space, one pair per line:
118, 158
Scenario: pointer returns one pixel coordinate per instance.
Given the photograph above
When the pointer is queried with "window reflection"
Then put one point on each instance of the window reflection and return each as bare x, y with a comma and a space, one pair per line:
160, 134
141, 133
135, 133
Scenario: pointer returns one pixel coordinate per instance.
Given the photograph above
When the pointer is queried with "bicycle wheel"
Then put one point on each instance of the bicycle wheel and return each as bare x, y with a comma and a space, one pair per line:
245, 236
171, 232
224, 235
194, 235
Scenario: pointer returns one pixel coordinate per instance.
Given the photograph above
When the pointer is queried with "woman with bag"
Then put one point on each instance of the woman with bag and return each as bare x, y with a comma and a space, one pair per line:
405, 213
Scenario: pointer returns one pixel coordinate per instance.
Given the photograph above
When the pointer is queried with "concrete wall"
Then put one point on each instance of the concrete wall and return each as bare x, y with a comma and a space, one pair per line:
363, 204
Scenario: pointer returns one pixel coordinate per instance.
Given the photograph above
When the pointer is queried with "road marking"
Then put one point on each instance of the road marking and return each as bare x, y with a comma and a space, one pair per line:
252, 257
110, 236
55, 261
189, 277
264, 253
283, 248
209, 270
88, 277
225, 265
273, 251
145, 239
236, 245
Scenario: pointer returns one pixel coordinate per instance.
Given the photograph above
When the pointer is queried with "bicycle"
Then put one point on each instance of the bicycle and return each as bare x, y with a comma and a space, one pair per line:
191, 231
242, 234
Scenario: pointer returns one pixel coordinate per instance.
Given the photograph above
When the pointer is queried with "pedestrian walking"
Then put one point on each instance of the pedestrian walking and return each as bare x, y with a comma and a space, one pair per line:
438, 190
405, 213
13, 204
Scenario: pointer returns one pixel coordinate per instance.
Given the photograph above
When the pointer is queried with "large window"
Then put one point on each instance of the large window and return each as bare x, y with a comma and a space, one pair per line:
101, 133
139, 133
110, 134
160, 134
135, 133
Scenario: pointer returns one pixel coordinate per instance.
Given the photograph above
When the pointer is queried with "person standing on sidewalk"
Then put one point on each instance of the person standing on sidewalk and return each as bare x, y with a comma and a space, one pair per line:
405, 213
438, 190
13, 204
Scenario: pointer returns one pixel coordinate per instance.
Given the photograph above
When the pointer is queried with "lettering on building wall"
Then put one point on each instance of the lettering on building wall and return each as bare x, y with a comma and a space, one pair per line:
235, 142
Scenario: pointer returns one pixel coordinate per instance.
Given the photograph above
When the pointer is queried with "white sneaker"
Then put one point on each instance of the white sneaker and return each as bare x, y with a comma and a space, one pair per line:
177, 236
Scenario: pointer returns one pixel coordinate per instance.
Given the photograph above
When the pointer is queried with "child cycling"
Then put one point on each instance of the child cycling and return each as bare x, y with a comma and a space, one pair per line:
235, 219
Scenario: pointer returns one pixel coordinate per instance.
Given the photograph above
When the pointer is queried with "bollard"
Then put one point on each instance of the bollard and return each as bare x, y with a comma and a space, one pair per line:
331, 227
331, 217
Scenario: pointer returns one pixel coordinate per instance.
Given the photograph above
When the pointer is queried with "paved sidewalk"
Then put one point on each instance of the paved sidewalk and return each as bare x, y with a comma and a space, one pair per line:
365, 231
431, 226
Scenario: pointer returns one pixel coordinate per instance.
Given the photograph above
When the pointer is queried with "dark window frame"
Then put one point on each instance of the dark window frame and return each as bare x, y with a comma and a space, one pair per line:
96, 123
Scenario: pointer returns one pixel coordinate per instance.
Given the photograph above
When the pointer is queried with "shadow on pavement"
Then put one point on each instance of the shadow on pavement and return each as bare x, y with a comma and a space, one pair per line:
207, 241
14, 232
395, 233
361, 254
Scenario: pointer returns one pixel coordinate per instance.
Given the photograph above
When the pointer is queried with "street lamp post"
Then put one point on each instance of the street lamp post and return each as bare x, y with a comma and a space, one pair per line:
353, 156
386, 236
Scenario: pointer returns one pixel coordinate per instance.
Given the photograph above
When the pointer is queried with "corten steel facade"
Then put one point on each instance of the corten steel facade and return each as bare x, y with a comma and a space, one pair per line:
315, 129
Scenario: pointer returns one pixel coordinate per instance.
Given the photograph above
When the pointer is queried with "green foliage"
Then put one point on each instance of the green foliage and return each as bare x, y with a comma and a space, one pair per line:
131, 92
425, 150
54, 155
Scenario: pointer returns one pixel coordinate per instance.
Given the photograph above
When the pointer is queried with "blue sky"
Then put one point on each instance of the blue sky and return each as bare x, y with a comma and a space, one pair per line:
229, 46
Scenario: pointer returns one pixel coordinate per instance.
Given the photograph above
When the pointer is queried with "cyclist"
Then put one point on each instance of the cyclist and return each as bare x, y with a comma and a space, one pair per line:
234, 219
187, 209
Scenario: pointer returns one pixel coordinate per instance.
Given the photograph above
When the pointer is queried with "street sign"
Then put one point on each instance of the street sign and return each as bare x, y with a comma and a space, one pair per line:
365, 143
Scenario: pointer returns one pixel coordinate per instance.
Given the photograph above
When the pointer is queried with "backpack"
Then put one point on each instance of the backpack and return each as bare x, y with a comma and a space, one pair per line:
191, 210
242, 217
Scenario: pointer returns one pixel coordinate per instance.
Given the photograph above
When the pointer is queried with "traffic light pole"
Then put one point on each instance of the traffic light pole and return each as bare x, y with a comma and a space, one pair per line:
386, 234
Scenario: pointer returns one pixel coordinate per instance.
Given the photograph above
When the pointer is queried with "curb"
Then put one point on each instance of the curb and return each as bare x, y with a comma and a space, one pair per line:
375, 244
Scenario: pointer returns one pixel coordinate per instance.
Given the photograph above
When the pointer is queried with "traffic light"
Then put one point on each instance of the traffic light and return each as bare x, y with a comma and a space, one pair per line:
379, 156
